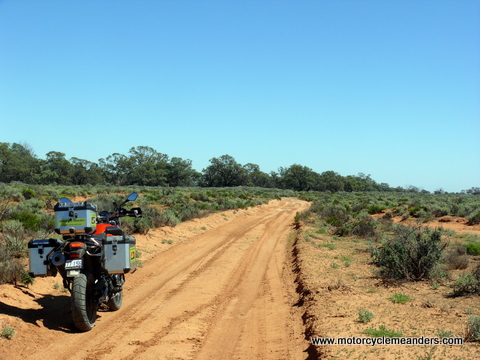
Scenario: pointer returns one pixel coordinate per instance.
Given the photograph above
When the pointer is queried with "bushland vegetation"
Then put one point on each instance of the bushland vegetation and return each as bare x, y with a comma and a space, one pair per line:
403, 252
26, 211
144, 166
397, 253
357, 250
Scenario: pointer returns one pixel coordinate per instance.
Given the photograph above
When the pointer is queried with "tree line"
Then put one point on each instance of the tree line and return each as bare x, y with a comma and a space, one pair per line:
144, 166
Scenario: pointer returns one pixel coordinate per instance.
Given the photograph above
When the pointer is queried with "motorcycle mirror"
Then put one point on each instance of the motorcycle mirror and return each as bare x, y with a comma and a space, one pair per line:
65, 200
132, 196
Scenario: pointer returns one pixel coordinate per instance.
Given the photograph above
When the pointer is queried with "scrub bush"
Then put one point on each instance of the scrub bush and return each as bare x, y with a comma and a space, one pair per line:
11, 271
472, 248
411, 254
14, 235
365, 316
457, 258
473, 329
474, 218
466, 284
363, 226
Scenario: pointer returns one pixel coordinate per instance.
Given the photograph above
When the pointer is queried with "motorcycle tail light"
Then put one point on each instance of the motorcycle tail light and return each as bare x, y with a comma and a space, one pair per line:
77, 249
76, 245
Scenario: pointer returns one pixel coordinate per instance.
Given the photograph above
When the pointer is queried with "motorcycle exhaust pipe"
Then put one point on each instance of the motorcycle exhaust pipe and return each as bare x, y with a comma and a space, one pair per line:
58, 259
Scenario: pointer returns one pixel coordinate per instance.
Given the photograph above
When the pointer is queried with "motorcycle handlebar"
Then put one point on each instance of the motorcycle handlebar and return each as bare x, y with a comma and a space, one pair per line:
134, 212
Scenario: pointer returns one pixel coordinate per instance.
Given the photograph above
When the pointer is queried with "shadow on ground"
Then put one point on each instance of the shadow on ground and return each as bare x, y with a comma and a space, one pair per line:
54, 313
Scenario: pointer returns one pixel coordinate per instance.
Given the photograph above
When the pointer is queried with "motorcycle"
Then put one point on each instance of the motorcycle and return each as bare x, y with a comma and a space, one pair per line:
92, 258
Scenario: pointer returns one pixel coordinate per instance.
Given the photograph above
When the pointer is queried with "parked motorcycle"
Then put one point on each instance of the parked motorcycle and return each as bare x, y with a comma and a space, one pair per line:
92, 258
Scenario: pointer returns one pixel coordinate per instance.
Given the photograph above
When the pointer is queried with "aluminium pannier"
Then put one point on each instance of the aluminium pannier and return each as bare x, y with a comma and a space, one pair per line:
38, 261
78, 218
119, 252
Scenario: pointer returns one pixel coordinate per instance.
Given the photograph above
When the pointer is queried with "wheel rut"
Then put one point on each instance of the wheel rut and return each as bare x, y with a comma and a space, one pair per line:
226, 293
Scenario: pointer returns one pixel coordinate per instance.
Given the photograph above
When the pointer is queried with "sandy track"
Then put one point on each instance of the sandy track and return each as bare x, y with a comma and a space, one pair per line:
225, 294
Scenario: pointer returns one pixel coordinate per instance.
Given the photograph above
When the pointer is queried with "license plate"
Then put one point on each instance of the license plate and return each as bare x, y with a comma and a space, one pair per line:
73, 264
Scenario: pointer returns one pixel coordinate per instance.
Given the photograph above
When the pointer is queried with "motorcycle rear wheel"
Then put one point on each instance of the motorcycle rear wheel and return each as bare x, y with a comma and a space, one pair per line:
84, 306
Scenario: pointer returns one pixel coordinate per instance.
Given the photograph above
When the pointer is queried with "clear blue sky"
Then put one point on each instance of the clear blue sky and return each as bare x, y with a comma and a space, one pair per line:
386, 88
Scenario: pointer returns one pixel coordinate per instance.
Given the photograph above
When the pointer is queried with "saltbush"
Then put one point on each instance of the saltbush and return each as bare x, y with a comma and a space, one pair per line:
363, 226
472, 248
457, 258
411, 254
473, 329
11, 271
474, 218
466, 284
365, 316
14, 237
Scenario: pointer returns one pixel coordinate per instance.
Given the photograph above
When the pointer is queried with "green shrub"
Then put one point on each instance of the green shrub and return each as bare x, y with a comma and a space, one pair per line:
363, 226
382, 331
414, 211
28, 193
14, 236
472, 248
411, 254
474, 218
187, 213
375, 209
338, 226
444, 334
365, 316
142, 225
466, 284
7, 333
168, 218
28, 219
473, 329
335, 211
399, 298
27, 279
328, 246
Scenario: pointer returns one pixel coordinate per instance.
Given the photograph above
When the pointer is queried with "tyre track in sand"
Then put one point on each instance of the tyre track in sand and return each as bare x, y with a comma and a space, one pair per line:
225, 294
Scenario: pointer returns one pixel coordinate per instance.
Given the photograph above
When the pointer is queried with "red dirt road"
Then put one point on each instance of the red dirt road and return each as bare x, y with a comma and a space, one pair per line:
224, 293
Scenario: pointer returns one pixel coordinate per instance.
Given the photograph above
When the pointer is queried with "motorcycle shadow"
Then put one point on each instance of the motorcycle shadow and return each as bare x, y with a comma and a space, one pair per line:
54, 314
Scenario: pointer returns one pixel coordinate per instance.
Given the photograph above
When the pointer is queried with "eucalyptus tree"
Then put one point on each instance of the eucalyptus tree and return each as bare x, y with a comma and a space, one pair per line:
297, 177
224, 171
256, 177
18, 163
85, 172
56, 169
115, 168
147, 167
181, 173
